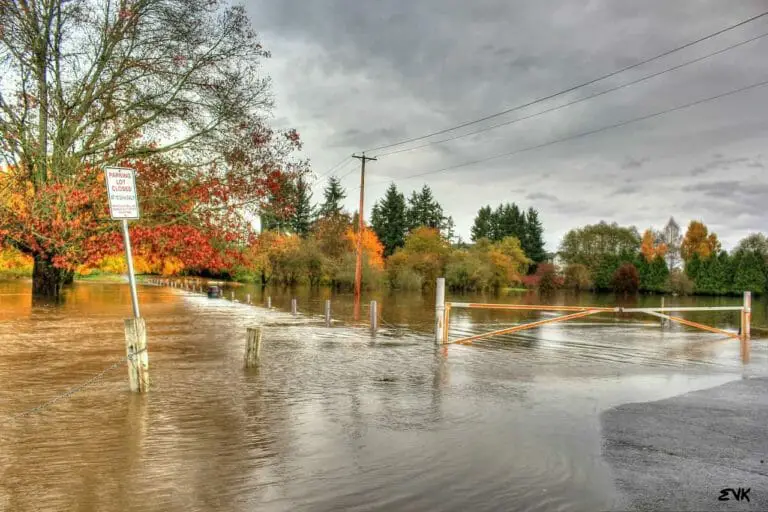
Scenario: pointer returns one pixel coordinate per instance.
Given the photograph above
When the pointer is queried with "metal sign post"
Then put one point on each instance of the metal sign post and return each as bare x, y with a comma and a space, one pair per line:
124, 205
131, 275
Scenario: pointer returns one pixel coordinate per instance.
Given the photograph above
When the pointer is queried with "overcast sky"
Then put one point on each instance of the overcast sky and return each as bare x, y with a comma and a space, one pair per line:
351, 75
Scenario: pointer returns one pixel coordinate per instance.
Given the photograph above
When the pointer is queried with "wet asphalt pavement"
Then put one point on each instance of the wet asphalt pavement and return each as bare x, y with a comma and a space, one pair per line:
680, 453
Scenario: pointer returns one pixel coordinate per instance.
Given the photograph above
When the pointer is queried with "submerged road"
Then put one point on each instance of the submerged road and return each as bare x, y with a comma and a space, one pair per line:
680, 453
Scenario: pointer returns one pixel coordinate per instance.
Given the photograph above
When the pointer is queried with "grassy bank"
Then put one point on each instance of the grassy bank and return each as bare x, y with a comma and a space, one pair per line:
102, 277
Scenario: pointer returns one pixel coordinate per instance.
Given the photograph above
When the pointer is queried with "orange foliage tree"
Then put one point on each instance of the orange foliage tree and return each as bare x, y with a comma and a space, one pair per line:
698, 240
651, 248
373, 249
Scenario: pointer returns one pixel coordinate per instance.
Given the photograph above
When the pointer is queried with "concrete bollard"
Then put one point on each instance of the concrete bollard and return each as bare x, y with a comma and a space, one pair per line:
294, 309
136, 350
328, 313
440, 310
253, 347
747, 330
374, 316
269, 302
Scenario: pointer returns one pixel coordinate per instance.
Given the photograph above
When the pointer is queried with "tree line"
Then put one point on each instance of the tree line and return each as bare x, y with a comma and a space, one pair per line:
611, 257
407, 244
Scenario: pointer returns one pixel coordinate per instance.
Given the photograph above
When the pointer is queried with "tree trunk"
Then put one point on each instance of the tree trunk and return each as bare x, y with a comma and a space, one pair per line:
47, 280
68, 277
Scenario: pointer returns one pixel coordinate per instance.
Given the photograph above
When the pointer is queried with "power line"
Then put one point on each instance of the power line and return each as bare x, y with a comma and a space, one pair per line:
585, 134
575, 87
353, 169
329, 171
595, 95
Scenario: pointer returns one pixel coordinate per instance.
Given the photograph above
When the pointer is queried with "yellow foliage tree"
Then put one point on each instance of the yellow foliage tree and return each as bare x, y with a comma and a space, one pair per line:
650, 249
698, 240
15, 261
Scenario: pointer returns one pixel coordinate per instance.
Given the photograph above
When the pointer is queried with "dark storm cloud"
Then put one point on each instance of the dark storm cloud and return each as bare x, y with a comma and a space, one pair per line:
730, 188
541, 196
632, 163
354, 75
624, 190
719, 162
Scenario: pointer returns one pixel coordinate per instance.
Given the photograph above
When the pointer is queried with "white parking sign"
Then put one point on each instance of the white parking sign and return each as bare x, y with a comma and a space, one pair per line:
121, 190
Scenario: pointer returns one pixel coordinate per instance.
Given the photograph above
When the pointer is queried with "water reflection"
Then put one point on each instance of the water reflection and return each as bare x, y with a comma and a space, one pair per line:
333, 418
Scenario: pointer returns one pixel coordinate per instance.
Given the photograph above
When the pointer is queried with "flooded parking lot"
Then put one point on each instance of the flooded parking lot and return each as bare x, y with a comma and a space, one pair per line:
334, 418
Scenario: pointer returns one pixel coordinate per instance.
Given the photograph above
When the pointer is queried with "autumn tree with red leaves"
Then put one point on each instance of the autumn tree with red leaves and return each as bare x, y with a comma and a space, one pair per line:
170, 87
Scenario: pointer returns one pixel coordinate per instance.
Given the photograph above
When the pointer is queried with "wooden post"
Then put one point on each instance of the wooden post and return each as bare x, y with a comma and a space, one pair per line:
248, 298
328, 313
439, 309
269, 302
138, 358
360, 228
374, 317
253, 347
293, 306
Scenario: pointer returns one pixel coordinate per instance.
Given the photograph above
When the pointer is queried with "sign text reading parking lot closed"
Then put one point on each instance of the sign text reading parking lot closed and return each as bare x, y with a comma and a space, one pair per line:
121, 189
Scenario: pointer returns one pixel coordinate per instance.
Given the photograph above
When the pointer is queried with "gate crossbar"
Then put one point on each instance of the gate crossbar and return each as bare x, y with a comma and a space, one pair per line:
443, 316
522, 327
582, 311
689, 323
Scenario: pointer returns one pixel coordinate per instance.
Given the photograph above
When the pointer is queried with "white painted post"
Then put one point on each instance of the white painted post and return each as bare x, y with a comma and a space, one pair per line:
374, 317
253, 347
663, 323
439, 309
138, 358
232, 295
293, 306
269, 302
248, 298
328, 313
746, 328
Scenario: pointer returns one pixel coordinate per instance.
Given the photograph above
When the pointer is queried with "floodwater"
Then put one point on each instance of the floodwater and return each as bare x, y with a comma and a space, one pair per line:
334, 418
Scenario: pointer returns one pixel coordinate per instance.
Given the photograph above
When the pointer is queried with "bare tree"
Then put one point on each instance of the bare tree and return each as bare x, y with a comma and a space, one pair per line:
673, 237
98, 81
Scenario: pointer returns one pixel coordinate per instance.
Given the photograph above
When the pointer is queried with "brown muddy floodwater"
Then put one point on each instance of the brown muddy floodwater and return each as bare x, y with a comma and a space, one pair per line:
334, 419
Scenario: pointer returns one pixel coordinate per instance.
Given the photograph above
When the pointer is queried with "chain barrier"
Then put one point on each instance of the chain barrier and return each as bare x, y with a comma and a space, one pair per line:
399, 331
96, 378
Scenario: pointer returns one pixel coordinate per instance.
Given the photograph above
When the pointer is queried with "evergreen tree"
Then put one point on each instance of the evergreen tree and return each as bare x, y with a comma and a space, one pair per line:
693, 269
333, 196
749, 272
424, 210
276, 214
511, 222
533, 236
389, 220
713, 275
497, 224
449, 230
301, 216
653, 275
482, 228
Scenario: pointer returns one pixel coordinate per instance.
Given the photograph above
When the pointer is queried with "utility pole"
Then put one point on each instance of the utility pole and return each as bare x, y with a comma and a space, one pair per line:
359, 260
